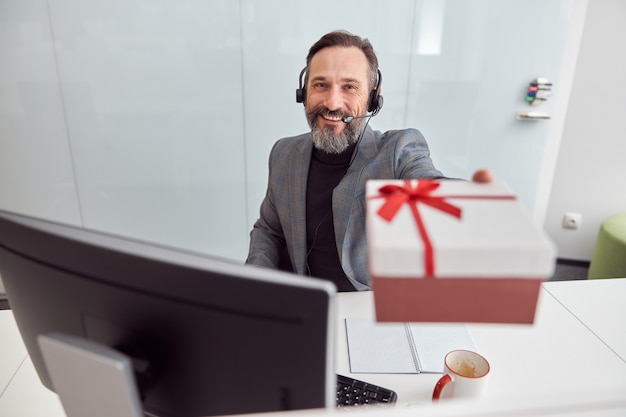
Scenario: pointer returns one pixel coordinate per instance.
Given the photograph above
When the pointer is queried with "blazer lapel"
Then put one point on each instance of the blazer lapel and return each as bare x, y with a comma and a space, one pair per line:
299, 165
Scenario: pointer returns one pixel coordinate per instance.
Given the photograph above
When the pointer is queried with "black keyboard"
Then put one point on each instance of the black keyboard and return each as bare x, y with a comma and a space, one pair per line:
351, 391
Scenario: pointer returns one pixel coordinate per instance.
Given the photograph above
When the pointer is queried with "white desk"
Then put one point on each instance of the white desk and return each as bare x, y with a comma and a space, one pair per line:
556, 354
600, 305
562, 355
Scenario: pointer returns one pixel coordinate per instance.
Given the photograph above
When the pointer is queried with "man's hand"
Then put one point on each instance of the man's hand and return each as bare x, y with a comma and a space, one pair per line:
483, 175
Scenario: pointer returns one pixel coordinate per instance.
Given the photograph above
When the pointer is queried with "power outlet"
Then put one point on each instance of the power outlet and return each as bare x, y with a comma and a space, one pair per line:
572, 220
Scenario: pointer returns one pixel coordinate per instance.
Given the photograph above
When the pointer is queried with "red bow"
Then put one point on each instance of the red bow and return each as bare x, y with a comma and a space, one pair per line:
395, 196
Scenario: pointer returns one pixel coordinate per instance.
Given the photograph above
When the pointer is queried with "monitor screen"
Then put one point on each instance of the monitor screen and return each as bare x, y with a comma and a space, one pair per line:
219, 337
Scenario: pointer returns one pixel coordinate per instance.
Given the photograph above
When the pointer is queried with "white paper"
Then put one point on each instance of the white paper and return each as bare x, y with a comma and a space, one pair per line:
403, 348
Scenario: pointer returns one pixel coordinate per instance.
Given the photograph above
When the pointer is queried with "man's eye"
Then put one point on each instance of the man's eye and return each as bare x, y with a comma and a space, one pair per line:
319, 85
350, 87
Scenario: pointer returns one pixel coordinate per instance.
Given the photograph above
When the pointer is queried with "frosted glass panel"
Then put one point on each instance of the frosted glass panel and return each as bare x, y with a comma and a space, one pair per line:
153, 97
155, 118
36, 175
466, 89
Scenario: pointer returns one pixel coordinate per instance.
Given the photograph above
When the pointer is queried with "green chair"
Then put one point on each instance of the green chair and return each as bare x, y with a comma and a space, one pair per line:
609, 255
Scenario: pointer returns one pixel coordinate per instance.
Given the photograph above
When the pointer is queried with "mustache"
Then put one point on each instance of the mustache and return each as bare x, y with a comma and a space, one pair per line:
321, 110
325, 111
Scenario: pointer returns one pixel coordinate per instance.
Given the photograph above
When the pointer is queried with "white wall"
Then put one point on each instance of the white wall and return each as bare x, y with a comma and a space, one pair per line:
154, 119
590, 175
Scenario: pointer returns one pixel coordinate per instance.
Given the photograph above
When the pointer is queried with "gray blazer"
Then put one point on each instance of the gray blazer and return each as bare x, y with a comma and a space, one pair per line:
396, 154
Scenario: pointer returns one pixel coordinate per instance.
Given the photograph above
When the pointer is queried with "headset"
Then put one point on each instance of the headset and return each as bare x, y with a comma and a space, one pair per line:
374, 102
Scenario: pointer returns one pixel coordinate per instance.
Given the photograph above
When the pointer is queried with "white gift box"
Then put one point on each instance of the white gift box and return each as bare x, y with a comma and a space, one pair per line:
454, 251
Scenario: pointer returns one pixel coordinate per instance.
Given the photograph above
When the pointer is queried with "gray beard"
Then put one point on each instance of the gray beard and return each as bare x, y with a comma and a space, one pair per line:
325, 139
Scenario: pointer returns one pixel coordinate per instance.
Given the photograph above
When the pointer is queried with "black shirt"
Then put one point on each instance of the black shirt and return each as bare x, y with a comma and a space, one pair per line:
325, 172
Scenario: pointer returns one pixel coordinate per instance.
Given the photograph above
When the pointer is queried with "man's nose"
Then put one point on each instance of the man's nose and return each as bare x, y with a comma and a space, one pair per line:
334, 99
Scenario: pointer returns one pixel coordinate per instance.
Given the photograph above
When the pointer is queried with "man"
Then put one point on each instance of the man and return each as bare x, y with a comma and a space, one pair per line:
313, 214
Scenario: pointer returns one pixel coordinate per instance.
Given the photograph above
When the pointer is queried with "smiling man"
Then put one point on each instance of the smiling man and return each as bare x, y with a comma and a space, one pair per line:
312, 219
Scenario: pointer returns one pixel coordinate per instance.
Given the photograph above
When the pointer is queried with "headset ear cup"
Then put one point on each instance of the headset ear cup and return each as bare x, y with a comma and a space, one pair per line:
375, 102
301, 90
379, 104
372, 102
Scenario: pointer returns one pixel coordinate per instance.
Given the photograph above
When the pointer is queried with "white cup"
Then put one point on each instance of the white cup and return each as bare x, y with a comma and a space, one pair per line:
465, 376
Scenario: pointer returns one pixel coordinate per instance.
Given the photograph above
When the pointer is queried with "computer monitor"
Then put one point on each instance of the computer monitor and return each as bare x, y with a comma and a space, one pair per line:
219, 337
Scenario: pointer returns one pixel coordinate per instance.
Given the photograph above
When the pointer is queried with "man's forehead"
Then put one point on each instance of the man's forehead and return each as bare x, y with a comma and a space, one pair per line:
339, 62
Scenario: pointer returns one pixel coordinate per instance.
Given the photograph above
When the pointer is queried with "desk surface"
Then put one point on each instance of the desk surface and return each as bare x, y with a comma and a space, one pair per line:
574, 349
558, 353
599, 304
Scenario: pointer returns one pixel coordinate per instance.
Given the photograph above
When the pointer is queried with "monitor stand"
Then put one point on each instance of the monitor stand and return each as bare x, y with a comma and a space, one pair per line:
91, 379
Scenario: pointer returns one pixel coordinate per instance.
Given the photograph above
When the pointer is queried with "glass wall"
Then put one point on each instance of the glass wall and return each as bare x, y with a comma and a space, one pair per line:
154, 118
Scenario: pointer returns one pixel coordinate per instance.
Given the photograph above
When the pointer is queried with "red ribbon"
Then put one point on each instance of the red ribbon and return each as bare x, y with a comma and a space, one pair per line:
396, 196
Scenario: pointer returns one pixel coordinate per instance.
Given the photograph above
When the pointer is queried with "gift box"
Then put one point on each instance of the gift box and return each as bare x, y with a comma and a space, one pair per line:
453, 251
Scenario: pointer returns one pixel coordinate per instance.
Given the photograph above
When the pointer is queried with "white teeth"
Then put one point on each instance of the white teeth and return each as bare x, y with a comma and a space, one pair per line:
333, 118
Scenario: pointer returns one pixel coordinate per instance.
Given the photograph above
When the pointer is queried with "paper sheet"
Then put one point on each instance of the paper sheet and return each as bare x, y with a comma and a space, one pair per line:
402, 348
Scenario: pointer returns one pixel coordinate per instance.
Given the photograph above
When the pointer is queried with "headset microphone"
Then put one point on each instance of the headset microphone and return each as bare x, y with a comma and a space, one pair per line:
348, 119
